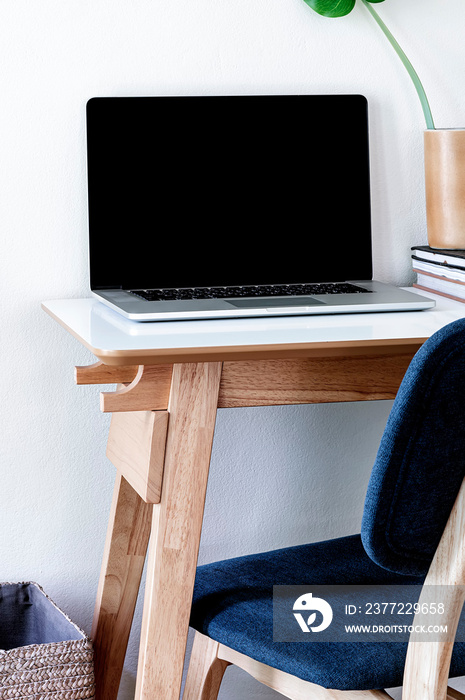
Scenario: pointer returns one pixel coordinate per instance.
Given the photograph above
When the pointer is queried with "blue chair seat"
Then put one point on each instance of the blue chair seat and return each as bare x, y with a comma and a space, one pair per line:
233, 604
413, 485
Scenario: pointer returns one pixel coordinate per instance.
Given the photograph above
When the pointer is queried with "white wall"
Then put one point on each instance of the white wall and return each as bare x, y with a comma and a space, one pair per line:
279, 475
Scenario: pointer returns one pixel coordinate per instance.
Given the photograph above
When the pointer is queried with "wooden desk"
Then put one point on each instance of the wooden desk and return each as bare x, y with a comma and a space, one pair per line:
172, 378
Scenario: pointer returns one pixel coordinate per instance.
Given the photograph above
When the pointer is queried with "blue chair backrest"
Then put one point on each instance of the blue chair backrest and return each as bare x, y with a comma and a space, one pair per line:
420, 464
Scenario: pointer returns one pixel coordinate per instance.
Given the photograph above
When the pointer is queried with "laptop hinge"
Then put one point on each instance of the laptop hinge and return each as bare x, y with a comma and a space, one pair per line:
113, 286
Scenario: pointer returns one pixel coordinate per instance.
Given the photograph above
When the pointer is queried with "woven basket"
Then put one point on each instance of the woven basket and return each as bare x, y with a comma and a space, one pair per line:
43, 654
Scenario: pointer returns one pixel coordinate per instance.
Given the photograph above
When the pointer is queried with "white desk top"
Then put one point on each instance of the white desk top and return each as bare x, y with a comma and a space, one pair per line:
117, 341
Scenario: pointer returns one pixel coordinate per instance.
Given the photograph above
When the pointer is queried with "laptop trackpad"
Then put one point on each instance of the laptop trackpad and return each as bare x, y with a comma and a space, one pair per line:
277, 303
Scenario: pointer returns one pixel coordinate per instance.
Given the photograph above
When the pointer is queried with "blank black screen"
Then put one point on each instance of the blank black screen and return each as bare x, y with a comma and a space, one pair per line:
228, 190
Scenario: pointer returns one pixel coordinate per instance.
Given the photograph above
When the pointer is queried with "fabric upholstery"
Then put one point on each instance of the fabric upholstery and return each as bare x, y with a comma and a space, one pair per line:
421, 459
233, 604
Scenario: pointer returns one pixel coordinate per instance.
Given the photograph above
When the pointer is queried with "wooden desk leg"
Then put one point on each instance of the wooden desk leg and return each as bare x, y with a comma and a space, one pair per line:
176, 528
123, 561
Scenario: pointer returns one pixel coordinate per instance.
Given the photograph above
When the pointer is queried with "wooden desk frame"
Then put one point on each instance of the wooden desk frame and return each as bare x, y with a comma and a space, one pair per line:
160, 441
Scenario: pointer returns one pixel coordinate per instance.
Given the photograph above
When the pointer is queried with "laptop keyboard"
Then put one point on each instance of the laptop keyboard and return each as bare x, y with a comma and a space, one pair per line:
276, 290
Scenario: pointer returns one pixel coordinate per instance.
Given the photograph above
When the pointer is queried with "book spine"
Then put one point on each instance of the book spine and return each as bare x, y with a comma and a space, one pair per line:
435, 291
441, 274
434, 283
439, 257
443, 266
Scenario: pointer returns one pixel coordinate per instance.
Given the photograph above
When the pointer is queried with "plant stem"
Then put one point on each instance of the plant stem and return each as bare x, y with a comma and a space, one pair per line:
410, 69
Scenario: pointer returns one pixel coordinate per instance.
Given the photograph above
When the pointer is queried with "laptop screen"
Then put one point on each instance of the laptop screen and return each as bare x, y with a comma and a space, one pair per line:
228, 190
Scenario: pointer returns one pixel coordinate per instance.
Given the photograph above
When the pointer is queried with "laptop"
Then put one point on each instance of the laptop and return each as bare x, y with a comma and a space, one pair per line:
232, 206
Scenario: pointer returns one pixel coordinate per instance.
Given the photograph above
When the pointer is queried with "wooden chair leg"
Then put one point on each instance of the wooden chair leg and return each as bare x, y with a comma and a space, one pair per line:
427, 664
288, 685
206, 670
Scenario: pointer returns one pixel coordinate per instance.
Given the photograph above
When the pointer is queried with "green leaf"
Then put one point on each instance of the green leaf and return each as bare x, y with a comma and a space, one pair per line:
375, 0
332, 8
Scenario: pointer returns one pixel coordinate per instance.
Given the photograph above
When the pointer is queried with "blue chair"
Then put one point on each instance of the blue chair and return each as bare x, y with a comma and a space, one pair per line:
412, 534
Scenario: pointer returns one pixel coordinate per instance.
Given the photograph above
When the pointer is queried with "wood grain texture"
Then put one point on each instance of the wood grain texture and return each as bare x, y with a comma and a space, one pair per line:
136, 446
123, 561
290, 686
176, 529
427, 663
98, 373
205, 671
149, 391
311, 380
453, 694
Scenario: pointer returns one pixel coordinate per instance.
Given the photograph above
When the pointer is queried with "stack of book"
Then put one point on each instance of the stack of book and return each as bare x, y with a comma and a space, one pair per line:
440, 271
